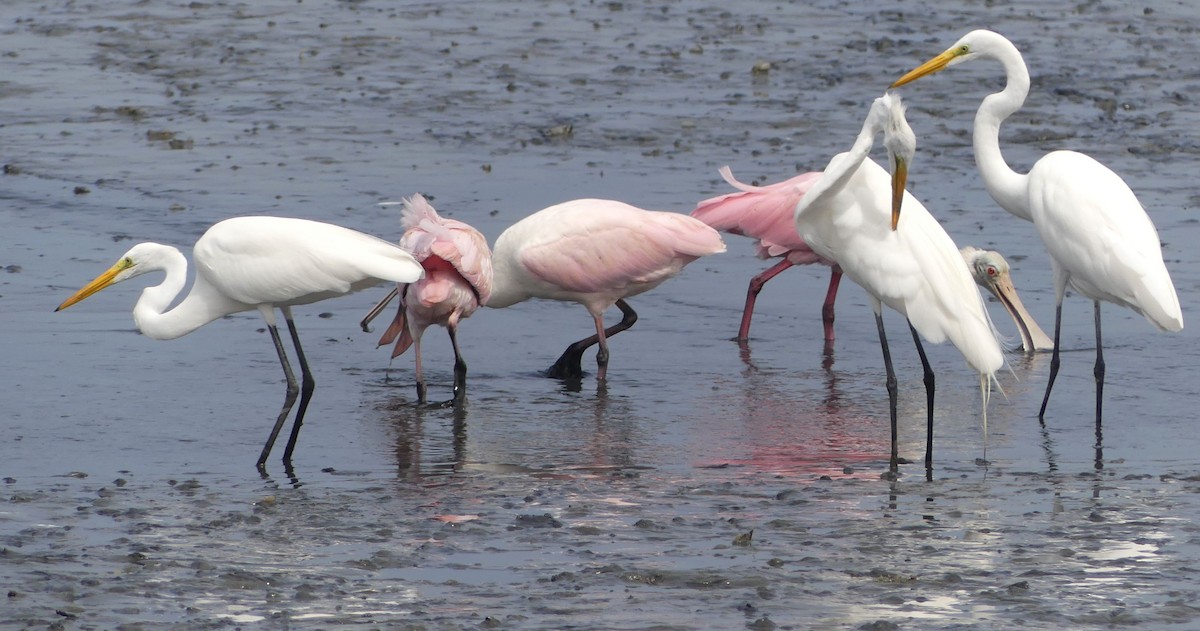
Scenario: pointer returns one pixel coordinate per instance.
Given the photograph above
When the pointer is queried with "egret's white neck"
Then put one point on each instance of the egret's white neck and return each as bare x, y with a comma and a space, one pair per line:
1005, 185
150, 313
835, 179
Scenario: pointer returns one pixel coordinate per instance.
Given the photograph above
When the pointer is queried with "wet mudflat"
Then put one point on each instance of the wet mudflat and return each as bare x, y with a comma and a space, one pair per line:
705, 485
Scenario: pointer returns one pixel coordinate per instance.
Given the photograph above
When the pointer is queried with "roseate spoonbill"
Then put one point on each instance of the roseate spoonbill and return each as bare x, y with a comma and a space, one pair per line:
458, 279
261, 263
596, 252
766, 213
852, 216
1100, 239
992, 272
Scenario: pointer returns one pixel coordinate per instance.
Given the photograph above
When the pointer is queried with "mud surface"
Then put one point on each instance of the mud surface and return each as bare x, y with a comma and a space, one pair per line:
705, 486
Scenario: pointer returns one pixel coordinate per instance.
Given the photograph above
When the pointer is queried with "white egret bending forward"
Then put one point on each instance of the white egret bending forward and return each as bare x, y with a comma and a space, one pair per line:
260, 263
1100, 240
852, 216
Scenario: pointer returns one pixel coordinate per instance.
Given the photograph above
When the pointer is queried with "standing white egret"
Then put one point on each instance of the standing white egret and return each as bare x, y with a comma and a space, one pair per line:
259, 263
852, 216
1100, 240
992, 272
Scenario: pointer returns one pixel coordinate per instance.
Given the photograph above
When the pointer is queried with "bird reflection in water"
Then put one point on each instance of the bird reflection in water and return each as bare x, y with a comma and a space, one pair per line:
417, 459
833, 437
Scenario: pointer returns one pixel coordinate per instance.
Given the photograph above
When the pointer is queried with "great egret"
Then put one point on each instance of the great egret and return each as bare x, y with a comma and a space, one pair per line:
458, 279
848, 216
595, 252
259, 263
992, 272
765, 213
1100, 240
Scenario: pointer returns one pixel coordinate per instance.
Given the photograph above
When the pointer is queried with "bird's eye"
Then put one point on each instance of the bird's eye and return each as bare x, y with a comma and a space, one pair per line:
964, 49
127, 262
991, 271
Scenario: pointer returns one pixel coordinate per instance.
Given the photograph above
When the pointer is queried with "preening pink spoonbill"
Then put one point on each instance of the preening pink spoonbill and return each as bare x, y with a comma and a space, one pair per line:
458, 279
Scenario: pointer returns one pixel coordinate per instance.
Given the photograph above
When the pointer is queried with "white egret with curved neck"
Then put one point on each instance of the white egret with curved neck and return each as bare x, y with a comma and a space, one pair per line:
1100, 239
992, 272
852, 216
262, 263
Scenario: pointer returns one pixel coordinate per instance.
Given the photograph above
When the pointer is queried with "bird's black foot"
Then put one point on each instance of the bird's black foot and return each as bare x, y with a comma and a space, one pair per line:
569, 366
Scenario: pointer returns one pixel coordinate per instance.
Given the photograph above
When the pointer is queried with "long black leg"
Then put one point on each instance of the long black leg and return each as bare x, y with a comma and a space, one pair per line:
891, 388
292, 390
420, 373
308, 384
460, 369
1099, 370
929, 388
569, 363
1053, 362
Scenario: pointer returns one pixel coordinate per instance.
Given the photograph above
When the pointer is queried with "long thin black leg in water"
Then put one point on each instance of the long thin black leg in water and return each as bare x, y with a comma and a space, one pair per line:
929, 388
460, 369
292, 390
307, 385
891, 388
1099, 370
1053, 362
569, 364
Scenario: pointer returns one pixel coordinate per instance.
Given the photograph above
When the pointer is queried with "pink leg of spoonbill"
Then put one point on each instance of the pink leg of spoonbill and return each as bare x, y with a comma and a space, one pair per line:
756, 285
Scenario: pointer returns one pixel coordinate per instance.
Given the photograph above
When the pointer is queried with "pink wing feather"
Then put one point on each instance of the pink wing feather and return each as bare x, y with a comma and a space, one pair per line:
765, 213
615, 245
462, 246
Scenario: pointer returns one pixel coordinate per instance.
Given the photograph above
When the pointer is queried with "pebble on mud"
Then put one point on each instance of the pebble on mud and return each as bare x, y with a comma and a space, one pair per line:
559, 131
743, 539
544, 520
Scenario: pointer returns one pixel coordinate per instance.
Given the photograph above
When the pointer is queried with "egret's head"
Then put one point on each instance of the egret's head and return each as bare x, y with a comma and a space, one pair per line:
132, 263
901, 145
972, 45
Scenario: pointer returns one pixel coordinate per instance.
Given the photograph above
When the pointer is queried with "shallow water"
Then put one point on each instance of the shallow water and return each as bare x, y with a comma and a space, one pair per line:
129, 497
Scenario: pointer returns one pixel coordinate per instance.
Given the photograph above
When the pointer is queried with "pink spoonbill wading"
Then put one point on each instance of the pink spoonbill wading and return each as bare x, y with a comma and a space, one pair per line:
766, 214
595, 252
458, 280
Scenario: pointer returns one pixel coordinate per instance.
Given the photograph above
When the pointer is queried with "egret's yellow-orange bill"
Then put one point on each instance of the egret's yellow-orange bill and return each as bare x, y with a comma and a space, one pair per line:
102, 281
899, 179
929, 67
